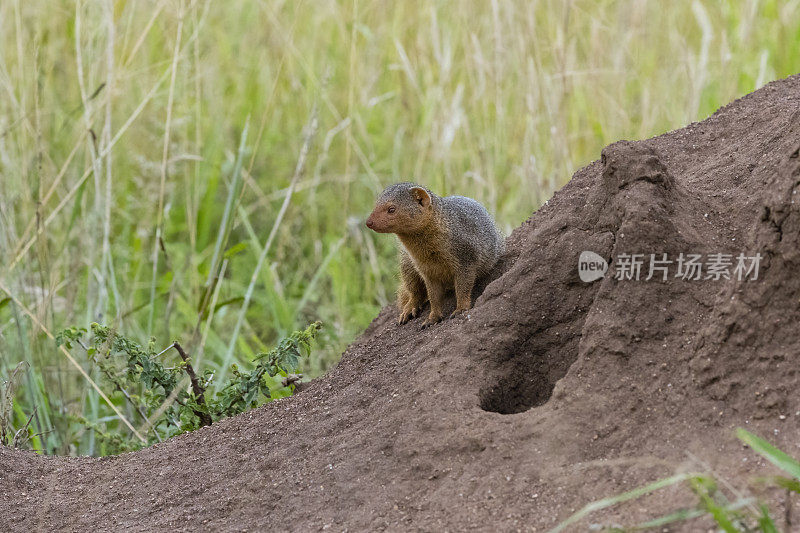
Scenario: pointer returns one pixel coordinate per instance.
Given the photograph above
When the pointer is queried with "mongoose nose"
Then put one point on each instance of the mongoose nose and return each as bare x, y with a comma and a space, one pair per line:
370, 223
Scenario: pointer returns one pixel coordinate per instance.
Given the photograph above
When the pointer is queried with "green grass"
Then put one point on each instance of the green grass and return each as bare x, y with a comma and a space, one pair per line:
122, 127
744, 514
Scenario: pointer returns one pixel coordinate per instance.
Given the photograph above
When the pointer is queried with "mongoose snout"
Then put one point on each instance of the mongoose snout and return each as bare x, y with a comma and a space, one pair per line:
447, 243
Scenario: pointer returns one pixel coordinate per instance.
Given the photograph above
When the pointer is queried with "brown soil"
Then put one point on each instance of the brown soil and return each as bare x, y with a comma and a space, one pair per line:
550, 394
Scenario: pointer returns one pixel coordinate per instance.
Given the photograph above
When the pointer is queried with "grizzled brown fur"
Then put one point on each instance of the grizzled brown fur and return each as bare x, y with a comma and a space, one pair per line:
447, 243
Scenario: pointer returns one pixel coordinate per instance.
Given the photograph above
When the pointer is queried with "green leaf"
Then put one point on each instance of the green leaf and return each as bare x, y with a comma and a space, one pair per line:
780, 481
229, 301
235, 249
770, 452
722, 516
765, 522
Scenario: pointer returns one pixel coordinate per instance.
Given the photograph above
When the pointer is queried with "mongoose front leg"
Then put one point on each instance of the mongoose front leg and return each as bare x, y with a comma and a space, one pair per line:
411, 295
436, 295
402, 302
464, 283
409, 305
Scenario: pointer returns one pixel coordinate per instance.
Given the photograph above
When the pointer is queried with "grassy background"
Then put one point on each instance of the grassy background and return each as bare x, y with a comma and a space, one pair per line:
147, 149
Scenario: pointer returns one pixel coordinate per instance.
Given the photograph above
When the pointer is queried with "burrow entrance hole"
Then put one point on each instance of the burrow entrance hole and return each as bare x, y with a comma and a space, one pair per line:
525, 379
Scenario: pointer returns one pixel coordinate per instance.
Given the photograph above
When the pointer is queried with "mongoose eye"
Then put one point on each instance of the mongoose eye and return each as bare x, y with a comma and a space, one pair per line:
392, 209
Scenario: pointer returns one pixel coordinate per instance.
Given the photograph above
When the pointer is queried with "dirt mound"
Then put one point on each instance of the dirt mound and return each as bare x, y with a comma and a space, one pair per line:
551, 393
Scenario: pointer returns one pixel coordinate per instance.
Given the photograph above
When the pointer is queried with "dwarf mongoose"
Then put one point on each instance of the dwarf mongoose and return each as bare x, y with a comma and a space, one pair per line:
447, 243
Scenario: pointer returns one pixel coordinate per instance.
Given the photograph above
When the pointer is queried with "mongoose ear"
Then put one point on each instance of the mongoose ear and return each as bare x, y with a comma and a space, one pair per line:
421, 196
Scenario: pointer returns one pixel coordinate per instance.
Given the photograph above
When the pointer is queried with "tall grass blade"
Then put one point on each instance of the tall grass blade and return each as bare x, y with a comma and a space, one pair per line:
770, 452
226, 224
310, 131
683, 515
624, 497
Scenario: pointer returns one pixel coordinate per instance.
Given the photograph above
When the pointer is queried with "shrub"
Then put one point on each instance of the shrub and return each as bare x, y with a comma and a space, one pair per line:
169, 400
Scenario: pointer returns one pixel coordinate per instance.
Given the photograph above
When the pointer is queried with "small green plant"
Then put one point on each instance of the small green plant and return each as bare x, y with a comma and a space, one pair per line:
742, 515
169, 400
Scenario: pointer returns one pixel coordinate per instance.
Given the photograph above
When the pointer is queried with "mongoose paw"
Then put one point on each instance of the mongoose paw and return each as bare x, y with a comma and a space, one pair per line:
457, 313
431, 320
407, 314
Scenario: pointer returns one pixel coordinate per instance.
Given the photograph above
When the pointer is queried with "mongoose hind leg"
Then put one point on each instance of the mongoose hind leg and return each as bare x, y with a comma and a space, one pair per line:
464, 283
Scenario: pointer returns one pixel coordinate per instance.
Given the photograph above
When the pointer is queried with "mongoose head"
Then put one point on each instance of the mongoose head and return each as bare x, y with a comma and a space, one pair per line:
402, 208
